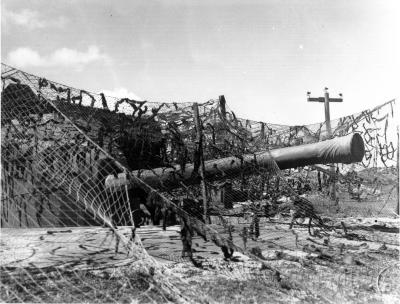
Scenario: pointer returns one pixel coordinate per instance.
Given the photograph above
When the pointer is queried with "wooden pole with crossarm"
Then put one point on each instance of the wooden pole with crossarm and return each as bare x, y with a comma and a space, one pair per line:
326, 100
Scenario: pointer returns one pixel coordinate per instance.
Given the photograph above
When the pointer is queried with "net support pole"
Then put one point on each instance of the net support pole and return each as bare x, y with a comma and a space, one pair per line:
262, 131
199, 144
329, 133
222, 105
398, 174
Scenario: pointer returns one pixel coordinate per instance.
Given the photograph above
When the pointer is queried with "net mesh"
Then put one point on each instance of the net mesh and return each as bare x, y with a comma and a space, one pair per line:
112, 188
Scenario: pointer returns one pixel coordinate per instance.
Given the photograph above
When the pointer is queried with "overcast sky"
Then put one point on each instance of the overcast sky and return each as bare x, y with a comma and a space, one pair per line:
262, 55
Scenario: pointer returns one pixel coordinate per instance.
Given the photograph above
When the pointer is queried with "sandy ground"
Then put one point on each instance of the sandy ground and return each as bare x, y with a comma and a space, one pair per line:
96, 246
362, 266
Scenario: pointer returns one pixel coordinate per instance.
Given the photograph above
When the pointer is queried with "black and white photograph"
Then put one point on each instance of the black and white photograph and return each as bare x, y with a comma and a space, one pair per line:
198, 151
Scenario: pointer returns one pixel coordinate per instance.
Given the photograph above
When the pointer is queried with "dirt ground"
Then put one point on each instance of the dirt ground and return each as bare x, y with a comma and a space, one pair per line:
359, 266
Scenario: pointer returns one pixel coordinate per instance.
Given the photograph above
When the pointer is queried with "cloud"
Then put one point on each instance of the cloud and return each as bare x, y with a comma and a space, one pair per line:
64, 57
122, 93
32, 20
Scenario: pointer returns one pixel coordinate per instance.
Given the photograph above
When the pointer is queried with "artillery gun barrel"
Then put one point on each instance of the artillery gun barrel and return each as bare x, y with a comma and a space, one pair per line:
346, 149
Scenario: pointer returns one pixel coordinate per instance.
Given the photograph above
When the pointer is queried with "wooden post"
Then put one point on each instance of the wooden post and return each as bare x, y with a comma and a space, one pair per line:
326, 100
262, 132
199, 143
277, 179
398, 179
223, 135
329, 133
266, 189
327, 114
222, 105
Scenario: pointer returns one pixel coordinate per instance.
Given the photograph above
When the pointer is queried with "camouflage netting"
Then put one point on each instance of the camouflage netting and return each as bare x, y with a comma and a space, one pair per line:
72, 158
